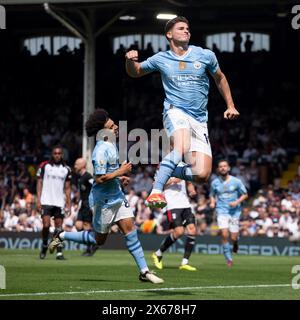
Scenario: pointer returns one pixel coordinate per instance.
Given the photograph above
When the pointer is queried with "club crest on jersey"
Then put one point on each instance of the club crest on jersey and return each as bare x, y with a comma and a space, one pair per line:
197, 65
182, 65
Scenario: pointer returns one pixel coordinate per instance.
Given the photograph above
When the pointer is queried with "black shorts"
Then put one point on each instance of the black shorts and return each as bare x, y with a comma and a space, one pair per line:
180, 217
52, 211
85, 215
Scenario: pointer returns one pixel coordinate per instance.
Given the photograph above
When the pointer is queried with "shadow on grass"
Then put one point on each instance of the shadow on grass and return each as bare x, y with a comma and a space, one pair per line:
167, 293
171, 268
98, 280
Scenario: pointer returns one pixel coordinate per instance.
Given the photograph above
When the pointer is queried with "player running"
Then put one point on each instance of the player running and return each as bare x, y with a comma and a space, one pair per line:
226, 195
180, 216
184, 72
106, 198
85, 215
53, 187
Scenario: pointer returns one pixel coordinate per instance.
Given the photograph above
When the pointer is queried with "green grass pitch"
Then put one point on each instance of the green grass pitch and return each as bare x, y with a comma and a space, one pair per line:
113, 275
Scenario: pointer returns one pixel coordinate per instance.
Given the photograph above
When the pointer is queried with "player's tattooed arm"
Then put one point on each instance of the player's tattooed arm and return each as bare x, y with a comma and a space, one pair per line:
123, 170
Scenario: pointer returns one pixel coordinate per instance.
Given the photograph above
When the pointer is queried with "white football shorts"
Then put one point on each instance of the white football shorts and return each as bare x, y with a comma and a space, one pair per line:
104, 218
175, 119
227, 221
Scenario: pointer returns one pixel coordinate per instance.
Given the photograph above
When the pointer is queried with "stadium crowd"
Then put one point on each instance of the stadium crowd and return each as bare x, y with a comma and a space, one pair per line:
272, 212
259, 146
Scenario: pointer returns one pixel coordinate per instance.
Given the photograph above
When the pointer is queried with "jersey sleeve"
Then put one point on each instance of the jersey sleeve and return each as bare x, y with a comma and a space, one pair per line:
242, 188
41, 170
150, 64
100, 162
90, 179
213, 64
69, 174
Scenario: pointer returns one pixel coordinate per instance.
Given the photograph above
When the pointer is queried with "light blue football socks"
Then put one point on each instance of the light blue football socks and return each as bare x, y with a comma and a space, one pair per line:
85, 237
134, 247
166, 168
227, 251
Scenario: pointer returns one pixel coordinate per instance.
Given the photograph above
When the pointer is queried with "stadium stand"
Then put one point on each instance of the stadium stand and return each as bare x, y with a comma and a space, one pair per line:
262, 149
41, 105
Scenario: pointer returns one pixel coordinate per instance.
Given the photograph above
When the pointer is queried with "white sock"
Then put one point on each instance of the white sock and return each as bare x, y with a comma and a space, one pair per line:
184, 261
158, 253
155, 191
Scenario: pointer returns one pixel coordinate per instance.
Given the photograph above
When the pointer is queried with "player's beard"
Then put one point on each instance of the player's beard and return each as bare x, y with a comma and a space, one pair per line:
57, 161
224, 175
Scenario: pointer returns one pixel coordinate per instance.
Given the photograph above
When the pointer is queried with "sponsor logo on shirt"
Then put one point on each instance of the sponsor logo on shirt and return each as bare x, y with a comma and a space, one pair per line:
54, 177
186, 80
182, 65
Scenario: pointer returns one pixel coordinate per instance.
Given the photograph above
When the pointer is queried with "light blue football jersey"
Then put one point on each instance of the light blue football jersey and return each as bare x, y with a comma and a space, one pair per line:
226, 192
105, 159
185, 79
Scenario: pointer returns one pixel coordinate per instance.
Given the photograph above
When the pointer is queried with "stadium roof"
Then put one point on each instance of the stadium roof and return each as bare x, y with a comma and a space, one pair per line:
178, 3
8, 2
29, 16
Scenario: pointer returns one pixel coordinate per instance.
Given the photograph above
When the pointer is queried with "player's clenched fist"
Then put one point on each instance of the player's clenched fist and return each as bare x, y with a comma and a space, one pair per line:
231, 113
132, 55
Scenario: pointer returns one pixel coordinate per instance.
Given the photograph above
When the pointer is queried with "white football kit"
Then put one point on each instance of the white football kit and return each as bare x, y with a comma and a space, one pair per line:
54, 177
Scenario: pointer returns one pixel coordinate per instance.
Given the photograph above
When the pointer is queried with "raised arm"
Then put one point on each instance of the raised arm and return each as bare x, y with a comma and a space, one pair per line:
223, 86
133, 67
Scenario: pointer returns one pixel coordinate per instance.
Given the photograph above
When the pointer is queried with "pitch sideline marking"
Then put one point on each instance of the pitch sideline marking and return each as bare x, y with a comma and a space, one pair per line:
144, 290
